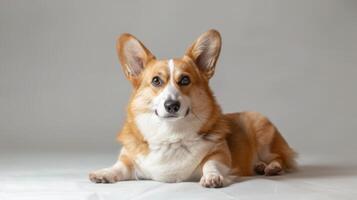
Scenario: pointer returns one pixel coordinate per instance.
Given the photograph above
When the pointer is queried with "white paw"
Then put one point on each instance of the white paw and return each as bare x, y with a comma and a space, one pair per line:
212, 180
107, 175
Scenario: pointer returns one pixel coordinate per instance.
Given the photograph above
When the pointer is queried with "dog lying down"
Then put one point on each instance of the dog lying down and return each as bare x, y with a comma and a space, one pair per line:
175, 130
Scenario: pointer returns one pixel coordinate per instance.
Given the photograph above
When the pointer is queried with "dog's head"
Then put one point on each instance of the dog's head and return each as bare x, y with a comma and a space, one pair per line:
173, 89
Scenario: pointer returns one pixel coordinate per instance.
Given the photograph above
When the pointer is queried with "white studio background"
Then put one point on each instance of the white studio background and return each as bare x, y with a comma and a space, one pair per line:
62, 89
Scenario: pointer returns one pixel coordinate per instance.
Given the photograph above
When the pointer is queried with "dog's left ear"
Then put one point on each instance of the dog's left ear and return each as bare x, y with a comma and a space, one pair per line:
205, 51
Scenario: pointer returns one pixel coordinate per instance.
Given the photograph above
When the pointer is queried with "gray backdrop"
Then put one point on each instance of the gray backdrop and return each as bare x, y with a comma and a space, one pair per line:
62, 89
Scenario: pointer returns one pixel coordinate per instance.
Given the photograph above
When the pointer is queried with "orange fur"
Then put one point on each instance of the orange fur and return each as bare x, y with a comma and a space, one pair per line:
246, 133
250, 132
245, 142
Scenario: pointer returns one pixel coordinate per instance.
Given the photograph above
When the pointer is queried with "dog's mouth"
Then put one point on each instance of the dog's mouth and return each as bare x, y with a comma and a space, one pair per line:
173, 116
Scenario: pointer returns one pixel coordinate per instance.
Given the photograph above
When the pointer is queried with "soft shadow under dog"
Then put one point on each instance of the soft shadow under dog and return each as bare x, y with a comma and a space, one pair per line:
313, 171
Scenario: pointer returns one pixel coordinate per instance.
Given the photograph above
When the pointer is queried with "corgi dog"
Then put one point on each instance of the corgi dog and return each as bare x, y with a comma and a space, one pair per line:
175, 130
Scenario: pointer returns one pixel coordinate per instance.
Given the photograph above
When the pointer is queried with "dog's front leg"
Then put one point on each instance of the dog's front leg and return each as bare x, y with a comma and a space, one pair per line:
216, 171
120, 171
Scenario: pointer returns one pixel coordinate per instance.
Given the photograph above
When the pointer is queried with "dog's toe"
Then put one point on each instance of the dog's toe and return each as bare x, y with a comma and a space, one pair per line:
212, 181
259, 168
274, 168
104, 176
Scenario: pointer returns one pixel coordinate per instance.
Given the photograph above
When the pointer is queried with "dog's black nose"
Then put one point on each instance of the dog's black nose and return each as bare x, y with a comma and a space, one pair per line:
172, 106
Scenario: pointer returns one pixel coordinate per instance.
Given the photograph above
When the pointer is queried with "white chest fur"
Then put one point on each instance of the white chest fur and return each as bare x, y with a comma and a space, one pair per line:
175, 149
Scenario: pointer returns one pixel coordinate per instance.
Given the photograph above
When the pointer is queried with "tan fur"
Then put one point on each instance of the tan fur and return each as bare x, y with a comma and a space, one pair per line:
248, 134
245, 142
251, 133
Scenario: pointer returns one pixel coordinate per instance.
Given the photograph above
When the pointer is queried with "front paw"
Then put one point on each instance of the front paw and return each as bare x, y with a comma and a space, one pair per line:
212, 180
107, 175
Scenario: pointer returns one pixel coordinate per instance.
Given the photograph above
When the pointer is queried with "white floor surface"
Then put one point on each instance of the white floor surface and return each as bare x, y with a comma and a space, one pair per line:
47, 176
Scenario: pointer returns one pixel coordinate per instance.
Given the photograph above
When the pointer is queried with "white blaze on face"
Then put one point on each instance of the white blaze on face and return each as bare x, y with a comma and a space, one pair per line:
171, 68
171, 92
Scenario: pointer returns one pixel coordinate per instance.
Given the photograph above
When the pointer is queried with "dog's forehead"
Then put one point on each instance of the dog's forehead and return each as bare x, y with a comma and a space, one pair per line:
170, 66
159, 66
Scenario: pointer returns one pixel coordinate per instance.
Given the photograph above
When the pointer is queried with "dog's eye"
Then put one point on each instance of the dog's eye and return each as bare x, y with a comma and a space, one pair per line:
185, 80
156, 81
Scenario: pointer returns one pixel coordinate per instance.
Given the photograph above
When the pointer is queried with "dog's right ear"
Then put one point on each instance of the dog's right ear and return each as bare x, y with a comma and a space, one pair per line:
133, 56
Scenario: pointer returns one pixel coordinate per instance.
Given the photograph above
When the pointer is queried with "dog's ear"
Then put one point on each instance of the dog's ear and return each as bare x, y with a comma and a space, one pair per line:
133, 56
205, 51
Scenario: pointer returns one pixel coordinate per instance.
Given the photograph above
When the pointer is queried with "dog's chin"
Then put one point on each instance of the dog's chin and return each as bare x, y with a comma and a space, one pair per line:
172, 117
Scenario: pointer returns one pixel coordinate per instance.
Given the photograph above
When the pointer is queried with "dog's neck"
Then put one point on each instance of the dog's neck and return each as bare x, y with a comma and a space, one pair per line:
158, 131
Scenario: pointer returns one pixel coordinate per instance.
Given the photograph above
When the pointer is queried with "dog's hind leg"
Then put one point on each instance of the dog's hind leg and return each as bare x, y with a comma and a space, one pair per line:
274, 154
